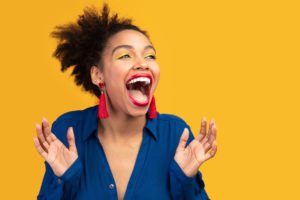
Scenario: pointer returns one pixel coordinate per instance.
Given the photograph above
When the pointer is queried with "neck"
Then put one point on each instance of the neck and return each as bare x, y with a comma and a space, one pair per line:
118, 127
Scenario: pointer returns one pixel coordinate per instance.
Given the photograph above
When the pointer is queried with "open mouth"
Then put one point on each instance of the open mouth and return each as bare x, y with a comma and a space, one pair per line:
138, 87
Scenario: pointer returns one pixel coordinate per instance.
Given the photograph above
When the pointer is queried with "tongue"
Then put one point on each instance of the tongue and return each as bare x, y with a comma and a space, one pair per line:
138, 96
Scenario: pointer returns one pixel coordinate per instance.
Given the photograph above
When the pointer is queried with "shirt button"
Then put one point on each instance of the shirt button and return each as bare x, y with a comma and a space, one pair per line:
111, 186
59, 181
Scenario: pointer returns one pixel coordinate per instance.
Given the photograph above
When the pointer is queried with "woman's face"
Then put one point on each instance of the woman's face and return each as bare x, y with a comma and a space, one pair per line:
130, 73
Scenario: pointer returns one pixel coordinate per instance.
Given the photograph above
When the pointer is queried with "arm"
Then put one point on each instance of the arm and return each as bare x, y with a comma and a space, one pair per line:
63, 168
63, 187
185, 179
184, 187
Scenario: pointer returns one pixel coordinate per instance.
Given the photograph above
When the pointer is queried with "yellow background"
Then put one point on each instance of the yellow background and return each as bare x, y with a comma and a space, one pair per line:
234, 61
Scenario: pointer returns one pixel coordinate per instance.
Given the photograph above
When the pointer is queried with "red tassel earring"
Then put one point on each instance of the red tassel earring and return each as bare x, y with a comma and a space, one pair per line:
102, 110
152, 109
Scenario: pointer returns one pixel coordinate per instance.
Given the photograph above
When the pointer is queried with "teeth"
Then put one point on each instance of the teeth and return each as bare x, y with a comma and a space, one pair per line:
140, 79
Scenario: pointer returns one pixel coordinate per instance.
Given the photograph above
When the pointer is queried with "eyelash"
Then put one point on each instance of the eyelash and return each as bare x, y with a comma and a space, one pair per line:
152, 57
124, 56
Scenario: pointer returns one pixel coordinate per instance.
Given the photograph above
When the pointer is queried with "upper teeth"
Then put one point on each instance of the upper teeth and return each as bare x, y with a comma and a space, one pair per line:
140, 79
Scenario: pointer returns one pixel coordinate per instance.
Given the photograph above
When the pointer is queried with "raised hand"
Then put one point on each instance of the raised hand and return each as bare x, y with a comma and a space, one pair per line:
53, 150
202, 148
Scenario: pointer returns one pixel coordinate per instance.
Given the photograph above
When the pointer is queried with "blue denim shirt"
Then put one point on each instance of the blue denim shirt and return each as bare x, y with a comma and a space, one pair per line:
155, 176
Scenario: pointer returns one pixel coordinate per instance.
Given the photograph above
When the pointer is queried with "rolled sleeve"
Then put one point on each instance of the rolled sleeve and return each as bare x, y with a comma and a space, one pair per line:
64, 187
73, 173
184, 187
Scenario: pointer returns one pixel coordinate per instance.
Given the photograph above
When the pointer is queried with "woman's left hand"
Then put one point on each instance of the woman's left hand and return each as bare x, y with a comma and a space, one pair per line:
202, 148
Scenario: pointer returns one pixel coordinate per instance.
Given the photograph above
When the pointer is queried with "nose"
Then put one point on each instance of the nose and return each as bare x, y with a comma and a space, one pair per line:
141, 64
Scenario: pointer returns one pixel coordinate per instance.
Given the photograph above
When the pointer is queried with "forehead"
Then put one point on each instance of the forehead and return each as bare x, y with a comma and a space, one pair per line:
128, 37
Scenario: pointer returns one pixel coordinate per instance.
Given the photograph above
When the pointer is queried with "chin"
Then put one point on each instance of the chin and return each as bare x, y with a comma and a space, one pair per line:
138, 113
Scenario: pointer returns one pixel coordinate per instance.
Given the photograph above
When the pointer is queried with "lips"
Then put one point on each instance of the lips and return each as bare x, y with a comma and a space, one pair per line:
138, 87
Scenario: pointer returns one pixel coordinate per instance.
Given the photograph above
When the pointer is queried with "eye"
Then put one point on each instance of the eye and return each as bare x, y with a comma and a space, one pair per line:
123, 56
151, 56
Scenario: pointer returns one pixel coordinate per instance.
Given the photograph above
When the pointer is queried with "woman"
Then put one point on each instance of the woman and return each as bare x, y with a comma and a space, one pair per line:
122, 148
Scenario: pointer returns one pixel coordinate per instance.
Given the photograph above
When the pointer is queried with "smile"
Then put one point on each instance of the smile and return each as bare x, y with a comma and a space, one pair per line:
138, 87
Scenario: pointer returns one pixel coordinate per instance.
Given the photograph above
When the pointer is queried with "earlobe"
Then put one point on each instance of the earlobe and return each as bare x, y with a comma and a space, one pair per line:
96, 75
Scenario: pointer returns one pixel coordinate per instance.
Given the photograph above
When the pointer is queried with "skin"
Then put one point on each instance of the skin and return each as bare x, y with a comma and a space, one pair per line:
121, 133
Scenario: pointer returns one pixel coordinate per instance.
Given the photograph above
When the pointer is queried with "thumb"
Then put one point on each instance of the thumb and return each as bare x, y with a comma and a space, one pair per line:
71, 140
183, 140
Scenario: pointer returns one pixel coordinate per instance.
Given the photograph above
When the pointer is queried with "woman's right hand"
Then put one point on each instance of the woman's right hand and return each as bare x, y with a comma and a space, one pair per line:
59, 157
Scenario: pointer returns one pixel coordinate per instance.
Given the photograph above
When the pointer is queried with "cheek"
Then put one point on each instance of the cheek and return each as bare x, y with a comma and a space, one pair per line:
156, 71
115, 76
110, 72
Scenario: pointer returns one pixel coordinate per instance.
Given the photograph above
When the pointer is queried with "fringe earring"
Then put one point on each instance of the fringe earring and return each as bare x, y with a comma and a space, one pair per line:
152, 109
102, 110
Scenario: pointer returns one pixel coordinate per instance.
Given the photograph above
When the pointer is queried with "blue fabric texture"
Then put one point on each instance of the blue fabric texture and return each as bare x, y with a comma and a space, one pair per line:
155, 175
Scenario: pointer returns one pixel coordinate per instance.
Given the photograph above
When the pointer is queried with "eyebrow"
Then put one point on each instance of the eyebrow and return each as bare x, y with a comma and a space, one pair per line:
131, 47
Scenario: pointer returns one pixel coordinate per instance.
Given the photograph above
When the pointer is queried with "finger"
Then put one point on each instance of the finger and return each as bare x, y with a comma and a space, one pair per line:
213, 135
71, 140
207, 147
46, 146
202, 130
209, 134
204, 140
39, 148
40, 135
211, 153
183, 140
51, 138
46, 128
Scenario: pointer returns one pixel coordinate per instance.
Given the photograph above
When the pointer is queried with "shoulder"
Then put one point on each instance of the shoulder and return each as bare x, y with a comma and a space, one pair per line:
74, 116
171, 120
69, 119
172, 127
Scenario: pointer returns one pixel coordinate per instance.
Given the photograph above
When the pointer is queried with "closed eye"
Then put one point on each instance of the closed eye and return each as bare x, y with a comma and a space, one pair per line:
151, 56
123, 56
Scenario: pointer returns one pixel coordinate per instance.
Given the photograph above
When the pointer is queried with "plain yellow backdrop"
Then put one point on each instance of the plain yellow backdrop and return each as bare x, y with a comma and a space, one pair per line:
234, 61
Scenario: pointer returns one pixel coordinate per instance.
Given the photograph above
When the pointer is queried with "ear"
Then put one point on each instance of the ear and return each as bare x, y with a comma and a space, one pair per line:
96, 75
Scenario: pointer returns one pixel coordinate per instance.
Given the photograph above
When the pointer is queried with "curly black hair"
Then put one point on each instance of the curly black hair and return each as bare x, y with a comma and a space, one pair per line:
81, 43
